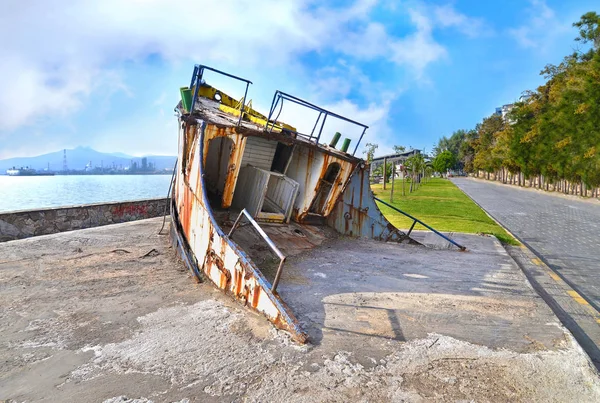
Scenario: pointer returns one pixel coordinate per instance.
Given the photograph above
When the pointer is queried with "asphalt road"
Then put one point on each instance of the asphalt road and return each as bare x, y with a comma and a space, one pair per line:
563, 231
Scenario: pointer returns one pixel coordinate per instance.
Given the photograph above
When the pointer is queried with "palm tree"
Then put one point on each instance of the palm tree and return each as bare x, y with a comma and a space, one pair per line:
415, 164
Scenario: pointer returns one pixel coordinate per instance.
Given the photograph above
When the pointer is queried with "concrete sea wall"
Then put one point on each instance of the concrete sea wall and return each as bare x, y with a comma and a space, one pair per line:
28, 223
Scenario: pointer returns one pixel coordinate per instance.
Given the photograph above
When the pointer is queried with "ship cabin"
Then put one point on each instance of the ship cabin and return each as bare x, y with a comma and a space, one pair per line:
247, 182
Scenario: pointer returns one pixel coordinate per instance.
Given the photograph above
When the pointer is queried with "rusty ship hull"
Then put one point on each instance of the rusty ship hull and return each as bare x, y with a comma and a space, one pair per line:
232, 168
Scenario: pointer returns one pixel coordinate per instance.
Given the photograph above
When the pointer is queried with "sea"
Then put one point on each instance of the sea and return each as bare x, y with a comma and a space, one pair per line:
37, 192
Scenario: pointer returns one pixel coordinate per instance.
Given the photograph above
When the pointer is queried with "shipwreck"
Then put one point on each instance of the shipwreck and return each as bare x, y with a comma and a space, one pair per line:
246, 183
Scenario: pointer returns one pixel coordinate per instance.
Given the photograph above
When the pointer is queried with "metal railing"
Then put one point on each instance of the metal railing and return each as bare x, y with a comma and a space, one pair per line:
416, 220
267, 240
282, 96
197, 79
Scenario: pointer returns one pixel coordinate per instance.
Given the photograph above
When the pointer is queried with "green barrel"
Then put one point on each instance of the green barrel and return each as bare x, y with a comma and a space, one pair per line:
186, 98
345, 145
335, 139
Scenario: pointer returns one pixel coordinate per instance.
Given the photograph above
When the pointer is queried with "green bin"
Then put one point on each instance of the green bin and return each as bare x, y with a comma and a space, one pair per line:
186, 98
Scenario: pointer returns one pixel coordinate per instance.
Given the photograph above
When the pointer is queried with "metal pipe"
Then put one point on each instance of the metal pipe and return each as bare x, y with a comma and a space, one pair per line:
278, 275
267, 240
194, 76
202, 67
273, 106
345, 145
321, 129
359, 140
259, 230
315, 126
243, 104
198, 82
169, 195
462, 248
318, 108
334, 141
411, 228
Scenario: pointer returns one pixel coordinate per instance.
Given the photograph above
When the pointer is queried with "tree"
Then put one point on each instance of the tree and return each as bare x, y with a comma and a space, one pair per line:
444, 161
370, 151
388, 171
399, 149
415, 164
550, 138
589, 29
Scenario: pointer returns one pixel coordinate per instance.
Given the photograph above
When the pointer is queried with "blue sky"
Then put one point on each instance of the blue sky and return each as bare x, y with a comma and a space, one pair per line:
106, 74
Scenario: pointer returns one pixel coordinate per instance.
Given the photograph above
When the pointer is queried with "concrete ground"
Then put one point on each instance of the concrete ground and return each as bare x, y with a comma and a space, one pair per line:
564, 233
109, 314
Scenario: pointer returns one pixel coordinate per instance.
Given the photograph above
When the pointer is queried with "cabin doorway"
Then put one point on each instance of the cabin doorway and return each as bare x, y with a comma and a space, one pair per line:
282, 158
326, 183
217, 168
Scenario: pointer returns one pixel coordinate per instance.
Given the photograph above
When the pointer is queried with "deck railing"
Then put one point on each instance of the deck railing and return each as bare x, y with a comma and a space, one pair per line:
416, 220
280, 97
268, 240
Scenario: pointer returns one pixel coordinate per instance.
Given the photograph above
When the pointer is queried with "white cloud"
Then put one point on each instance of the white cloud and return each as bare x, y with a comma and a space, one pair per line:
419, 49
416, 50
55, 55
542, 26
446, 16
60, 58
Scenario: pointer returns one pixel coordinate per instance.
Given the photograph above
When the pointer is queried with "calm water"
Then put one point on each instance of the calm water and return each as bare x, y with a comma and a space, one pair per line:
32, 192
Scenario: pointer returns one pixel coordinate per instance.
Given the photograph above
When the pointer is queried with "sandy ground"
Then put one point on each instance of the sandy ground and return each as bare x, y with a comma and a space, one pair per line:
109, 314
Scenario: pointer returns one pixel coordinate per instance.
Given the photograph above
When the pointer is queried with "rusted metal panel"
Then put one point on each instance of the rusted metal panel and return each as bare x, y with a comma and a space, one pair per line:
252, 190
265, 194
307, 167
259, 152
282, 191
235, 157
216, 255
356, 213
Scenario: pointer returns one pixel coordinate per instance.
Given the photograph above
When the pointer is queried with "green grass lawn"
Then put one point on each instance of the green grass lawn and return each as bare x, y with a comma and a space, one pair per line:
440, 204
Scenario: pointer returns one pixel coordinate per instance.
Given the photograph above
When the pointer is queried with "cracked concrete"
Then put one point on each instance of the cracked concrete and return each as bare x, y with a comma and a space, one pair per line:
89, 315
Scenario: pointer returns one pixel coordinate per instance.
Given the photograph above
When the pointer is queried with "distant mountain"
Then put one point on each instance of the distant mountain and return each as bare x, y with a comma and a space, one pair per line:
79, 157
122, 155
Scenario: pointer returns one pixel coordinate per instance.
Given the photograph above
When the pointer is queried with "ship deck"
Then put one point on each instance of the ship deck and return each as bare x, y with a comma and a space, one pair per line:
208, 110
109, 313
349, 288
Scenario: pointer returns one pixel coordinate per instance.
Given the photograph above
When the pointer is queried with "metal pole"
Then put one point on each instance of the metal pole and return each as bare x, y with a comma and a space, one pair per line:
278, 275
315, 126
393, 178
320, 130
194, 74
411, 228
462, 248
268, 240
359, 140
198, 82
384, 171
243, 104
273, 105
235, 225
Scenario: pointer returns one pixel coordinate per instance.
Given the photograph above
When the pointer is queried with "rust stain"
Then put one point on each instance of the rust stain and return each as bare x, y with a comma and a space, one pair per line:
213, 259
246, 283
238, 283
233, 170
255, 296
